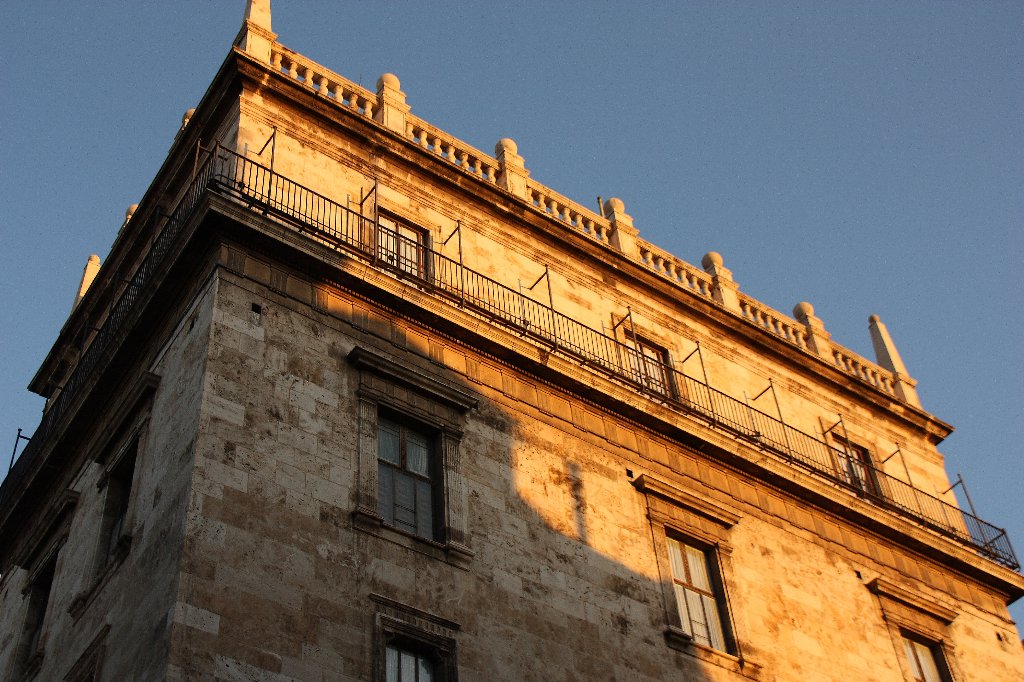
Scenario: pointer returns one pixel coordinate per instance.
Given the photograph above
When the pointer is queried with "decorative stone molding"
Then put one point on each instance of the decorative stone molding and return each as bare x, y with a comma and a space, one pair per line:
723, 288
819, 341
688, 499
888, 357
623, 235
391, 110
256, 36
892, 592
512, 173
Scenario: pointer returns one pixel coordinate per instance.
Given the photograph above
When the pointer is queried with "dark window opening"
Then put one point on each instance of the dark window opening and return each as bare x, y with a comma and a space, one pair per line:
35, 616
407, 478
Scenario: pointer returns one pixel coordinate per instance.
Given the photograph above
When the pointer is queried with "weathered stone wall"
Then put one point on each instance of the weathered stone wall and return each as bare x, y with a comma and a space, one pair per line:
589, 283
565, 580
123, 611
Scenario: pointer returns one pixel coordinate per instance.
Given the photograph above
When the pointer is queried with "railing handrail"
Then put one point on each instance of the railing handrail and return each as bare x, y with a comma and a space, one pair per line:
337, 226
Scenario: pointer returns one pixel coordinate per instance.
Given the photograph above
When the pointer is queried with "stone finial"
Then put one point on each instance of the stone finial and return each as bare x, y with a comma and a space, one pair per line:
888, 357
130, 211
512, 173
391, 109
819, 341
723, 288
803, 312
623, 235
92, 268
256, 36
258, 12
186, 117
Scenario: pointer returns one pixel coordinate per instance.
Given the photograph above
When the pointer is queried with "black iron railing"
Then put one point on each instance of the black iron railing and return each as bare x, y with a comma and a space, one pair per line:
406, 256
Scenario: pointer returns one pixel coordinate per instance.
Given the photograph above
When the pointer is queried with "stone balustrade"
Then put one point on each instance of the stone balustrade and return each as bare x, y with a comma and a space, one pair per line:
323, 81
863, 369
773, 321
452, 150
569, 212
674, 269
613, 230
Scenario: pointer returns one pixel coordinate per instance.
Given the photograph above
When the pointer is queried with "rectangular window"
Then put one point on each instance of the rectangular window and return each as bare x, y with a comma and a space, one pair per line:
402, 246
698, 599
855, 466
407, 478
925, 660
118, 484
402, 665
649, 364
35, 616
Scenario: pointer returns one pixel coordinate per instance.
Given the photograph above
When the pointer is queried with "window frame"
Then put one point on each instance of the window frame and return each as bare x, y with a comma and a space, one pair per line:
909, 614
433, 478
912, 642
694, 518
391, 387
650, 364
855, 466
394, 239
415, 631
715, 592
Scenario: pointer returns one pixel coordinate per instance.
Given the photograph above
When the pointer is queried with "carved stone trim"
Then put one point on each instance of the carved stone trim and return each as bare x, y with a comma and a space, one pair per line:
884, 588
688, 499
366, 359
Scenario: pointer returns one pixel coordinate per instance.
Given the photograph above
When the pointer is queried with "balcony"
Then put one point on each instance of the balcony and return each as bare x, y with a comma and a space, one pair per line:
236, 178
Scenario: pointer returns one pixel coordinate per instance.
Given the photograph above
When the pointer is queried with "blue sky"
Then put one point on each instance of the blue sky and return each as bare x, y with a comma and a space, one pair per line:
863, 156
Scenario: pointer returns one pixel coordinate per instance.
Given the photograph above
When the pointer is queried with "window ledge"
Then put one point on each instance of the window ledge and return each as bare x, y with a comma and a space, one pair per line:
453, 553
679, 640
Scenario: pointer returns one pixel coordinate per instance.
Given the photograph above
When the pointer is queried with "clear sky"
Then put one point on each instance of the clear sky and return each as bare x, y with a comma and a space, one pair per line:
863, 156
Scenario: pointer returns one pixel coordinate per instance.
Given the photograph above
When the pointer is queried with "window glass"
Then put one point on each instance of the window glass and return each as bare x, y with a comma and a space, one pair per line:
405, 478
926, 664
699, 607
407, 666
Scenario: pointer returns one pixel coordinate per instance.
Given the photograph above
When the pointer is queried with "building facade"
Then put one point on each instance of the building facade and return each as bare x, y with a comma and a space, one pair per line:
352, 400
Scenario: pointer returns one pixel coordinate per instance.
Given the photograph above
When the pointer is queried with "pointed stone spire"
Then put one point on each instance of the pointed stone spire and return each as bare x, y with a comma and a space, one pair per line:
92, 268
888, 357
255, 38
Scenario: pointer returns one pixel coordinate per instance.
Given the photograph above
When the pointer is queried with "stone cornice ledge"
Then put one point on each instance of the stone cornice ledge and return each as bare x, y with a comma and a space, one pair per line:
884, 588
363, 358
688, 499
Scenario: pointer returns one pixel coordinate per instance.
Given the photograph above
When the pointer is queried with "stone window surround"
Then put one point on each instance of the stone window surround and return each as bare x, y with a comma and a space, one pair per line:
714, 541
909, 613
406, 625
127, 438
440, 400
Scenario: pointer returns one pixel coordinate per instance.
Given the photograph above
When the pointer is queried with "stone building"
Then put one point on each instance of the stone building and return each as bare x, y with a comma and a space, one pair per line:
352, 400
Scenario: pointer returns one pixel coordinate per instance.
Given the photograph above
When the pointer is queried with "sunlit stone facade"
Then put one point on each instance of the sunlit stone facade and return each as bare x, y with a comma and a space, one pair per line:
352, 400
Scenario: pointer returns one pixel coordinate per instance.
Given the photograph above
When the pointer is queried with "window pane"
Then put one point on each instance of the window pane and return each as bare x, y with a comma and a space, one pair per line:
388, 441
922, 661
385, 494
675, 558
698, 564
391, 665
417, 453
426, 670
684, 616
424, 511
714, 623
698, 622
405, 501
408, 667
